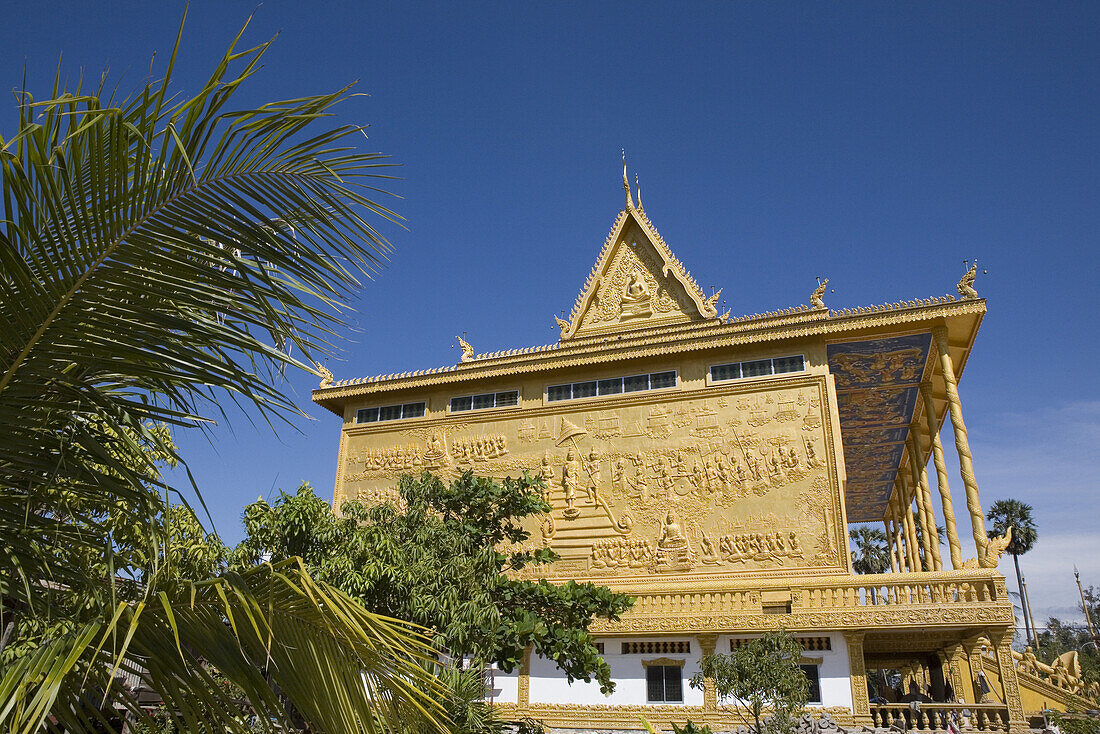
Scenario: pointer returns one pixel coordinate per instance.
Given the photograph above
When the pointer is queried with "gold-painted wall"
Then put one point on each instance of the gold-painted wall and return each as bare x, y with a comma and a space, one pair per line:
701, 478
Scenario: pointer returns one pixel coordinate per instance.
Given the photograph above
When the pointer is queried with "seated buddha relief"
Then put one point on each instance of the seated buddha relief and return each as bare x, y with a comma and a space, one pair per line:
636, 297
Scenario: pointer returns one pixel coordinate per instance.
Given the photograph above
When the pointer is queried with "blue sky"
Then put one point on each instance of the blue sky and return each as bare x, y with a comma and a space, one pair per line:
877, 144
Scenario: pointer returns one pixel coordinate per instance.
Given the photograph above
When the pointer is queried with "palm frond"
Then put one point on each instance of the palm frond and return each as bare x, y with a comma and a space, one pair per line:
274, 632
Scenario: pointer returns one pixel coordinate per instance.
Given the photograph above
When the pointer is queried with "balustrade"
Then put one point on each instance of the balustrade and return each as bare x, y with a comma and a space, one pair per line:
936, 717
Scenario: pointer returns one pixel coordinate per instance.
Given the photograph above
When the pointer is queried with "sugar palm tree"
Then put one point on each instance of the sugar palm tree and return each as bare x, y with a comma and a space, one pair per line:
871, 554
159, 254
1005, 514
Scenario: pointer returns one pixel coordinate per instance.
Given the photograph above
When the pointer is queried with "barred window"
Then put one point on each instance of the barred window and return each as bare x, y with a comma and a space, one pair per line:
611, 386
390, 412
757, 368
664, 683
484, 401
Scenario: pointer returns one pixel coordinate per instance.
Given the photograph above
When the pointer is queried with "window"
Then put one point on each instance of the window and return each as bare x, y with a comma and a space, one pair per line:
611, 386
484, 401
653, 647
664, 683
757, 368
390, 413
813, 677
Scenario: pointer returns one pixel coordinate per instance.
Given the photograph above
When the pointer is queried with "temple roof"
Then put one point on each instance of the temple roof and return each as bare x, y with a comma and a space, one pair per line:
636, 283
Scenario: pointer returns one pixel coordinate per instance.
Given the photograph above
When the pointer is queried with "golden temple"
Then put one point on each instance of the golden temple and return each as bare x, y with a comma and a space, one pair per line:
710, 466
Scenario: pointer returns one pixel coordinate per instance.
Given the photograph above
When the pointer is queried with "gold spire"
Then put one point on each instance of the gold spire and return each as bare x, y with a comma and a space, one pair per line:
626, 184
638, 186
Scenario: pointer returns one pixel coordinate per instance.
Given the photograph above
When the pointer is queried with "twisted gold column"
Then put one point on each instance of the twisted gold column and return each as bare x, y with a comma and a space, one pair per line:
922, 509
904, 503
941, 476
924, 501
962, 445
890, 546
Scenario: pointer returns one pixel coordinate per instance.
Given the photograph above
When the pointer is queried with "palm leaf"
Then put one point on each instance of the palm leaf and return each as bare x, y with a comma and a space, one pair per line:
159, 254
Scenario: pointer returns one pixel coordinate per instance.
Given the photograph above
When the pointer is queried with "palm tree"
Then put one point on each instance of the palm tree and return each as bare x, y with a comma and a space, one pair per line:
871, 554
1005, 514
159, 254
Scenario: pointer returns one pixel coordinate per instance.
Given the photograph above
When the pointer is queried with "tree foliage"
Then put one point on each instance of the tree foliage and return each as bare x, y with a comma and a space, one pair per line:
160, 253
1018, 515
762, 675
439, 557
1061, 636
872, 552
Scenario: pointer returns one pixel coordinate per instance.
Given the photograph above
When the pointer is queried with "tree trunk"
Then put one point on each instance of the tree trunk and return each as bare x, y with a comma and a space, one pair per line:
1023, 601
756, 715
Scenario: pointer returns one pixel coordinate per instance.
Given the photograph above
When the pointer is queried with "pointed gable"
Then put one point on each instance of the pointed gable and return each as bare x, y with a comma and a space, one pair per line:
636, 283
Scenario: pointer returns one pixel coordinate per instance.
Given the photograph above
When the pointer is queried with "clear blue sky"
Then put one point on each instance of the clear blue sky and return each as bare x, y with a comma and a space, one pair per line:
877, 144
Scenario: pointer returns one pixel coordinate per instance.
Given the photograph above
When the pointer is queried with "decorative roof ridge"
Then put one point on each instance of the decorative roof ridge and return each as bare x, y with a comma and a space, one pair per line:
670, 258
803, 314
896, 306
607, 245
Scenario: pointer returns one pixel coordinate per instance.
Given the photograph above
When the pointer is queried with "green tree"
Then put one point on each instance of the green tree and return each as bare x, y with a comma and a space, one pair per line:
762, 674
160, 253
440, 557
1005, 514
871, 553
1061, 636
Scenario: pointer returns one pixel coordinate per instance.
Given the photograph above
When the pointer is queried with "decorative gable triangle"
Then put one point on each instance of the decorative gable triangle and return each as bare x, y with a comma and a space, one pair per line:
636, 283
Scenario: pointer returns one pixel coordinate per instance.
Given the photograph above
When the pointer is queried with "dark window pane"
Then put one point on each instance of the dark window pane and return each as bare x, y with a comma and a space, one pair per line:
674, 688
366, 415
756, 368
725, 371
789, 364
655, 683
584, 389
813, 678
412, 410
636, 383
389, 413
611, 387
504, 399
458, 404
558, 392
484, 401
662, 379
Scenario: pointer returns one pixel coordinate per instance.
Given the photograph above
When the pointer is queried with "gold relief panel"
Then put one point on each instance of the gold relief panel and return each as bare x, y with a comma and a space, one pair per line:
717, 480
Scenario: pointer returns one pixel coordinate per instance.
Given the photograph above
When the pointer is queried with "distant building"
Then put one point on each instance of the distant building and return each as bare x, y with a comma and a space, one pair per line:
710, 467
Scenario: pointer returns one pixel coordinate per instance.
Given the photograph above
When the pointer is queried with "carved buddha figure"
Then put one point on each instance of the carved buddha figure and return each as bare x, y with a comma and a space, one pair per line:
636, 298
673, 549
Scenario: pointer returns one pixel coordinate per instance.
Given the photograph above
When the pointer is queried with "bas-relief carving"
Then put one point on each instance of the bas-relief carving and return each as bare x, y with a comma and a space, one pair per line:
727, 483
634, 287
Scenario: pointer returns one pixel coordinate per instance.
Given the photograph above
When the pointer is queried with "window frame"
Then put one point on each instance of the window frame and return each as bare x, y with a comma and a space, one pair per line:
621, 384
665, 676
379, 408
711, 382
815, 682
494, 393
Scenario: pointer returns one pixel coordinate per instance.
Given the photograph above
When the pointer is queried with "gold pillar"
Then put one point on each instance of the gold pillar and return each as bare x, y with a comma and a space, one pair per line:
890, 546
857, 673
941, 476
906, 503
962, 445
974, 659
899, 536
954, 658
523, 694
926, 533
1002, 644
924, 501
710, 692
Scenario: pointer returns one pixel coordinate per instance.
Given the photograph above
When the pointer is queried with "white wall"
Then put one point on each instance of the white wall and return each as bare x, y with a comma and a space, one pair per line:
548, 683
505, 686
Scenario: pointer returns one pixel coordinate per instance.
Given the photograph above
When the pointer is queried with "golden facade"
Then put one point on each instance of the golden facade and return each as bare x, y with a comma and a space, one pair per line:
710, 466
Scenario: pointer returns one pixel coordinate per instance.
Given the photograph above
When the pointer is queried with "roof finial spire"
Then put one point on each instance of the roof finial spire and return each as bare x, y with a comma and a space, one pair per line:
638, 186
626, 184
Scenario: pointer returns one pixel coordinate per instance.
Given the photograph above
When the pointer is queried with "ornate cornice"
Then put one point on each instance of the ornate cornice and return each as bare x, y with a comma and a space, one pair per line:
762, 328
609, 716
